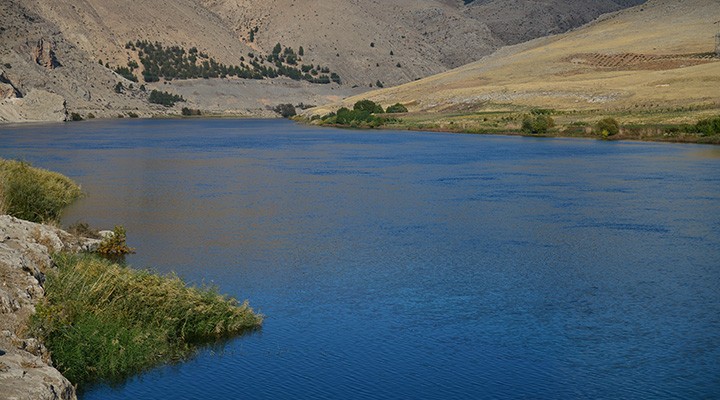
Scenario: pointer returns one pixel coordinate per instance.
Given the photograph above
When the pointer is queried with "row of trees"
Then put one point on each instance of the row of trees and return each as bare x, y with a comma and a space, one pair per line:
174, 62
365, 113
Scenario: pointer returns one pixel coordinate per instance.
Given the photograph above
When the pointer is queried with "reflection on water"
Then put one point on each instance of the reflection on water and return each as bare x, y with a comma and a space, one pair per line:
414, 265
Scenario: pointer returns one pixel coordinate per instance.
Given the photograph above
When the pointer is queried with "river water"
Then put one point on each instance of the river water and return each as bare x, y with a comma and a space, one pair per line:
398, 265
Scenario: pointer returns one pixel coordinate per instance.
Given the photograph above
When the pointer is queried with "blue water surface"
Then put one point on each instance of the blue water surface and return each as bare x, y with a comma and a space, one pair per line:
399, 265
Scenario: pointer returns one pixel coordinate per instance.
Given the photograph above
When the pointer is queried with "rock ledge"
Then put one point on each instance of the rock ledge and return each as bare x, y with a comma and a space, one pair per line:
26, 371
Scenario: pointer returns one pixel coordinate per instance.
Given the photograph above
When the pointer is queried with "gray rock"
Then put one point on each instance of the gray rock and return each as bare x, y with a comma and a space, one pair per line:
26, 371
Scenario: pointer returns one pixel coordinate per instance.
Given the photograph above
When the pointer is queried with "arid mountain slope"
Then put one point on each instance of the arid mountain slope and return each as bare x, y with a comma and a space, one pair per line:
657, 55
57, 57
366, 40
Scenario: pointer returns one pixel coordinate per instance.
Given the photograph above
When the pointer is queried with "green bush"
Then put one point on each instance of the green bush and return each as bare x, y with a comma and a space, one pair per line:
104, 321
368, 106
538, 124
360, 118
396, 108
708, 127
34, 194
607, 127
75, 117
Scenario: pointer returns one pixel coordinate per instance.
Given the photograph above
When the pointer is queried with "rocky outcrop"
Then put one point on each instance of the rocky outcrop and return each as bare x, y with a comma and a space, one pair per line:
38, 105
26, 371
44, 54
7, 89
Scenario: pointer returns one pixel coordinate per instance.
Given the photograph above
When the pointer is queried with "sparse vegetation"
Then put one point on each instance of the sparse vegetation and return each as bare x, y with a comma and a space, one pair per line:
104, 321
34, 194
75, 117
174, 62
126, 73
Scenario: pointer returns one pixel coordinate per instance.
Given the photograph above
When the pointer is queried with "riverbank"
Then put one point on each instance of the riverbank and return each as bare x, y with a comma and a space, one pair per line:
677, 126
69, 317
26, 369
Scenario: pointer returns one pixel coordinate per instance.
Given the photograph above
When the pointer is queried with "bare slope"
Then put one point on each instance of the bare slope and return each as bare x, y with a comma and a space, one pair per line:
653, 55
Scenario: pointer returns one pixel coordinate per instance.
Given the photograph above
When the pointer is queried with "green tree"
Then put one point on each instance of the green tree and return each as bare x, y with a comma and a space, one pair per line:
368, 106
396, 108
608, 127
285, 110
537, 125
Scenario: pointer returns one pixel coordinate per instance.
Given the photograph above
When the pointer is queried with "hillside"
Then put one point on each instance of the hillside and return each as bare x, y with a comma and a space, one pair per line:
657, 56
366, 40
61, 57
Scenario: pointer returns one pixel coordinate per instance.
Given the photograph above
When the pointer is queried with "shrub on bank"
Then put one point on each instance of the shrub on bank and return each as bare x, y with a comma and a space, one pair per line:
538, 123
708, 127
114, 247
34, 194
396, 108
104, 321
368, 106
285, 110
608, 127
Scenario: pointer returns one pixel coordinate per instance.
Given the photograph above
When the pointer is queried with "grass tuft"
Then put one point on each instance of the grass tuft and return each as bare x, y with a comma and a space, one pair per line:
104, 321
34, 194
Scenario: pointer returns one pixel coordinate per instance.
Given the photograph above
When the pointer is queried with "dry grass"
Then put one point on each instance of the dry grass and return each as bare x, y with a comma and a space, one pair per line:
545, 72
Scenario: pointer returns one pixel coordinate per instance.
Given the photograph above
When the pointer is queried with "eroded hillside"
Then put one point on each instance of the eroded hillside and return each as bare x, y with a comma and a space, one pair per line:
63, 57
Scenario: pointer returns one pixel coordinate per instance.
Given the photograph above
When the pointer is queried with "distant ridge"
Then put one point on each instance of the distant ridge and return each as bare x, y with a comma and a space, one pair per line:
657, 55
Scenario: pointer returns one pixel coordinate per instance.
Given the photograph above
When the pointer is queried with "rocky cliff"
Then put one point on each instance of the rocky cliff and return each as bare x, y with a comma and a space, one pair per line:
26, 371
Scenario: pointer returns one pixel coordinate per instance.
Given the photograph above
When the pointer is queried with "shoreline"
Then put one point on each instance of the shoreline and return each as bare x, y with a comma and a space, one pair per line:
26, 369
659, 130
